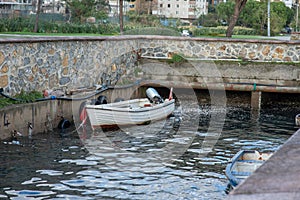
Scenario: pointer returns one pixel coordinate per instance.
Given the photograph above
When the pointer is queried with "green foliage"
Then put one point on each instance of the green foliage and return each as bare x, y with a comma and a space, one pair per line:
15, 24
177, 58
254, 15
210, 20
143, 20
5, 102
144, 24
221, 31
27, 24
29, 96
82, 9
24, 97
225, 10
152, 31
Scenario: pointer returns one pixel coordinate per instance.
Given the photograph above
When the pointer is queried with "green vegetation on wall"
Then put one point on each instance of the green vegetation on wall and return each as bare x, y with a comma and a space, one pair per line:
21, 98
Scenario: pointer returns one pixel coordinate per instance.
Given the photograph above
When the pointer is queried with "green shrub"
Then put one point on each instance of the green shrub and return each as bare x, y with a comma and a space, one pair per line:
22, 96
50, 26
177, 58
221, 30
152, 31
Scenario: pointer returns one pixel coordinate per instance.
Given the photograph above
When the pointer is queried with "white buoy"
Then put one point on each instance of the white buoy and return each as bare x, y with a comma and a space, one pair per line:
30, 129
297, 120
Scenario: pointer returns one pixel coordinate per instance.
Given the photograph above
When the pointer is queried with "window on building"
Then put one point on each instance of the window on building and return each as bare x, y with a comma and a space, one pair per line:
161, 5
177, 5
169, 5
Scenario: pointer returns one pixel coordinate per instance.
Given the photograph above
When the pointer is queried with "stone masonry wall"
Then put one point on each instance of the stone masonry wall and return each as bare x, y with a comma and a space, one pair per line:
40, 63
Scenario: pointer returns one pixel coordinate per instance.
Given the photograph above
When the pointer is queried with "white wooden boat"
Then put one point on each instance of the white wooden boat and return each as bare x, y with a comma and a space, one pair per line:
130, 112
243, 164
297, 120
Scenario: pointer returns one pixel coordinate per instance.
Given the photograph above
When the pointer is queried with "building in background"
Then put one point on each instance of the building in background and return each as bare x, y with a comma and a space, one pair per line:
182, 9
177, 9
23, 7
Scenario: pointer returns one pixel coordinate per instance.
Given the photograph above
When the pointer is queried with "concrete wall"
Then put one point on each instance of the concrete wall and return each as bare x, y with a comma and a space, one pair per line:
46, 115
200, 74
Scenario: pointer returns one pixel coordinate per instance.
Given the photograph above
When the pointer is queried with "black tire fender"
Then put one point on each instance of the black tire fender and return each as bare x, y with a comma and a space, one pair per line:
101, 100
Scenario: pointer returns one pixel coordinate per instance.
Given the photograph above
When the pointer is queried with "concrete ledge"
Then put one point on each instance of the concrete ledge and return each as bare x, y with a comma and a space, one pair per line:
29, 38
267, 196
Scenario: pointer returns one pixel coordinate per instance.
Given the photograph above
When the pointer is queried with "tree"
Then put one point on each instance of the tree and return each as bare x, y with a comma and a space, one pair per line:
239, 5
81, 9
36, 25
284, 12
225, 10
121, 16
254, 15
249, 17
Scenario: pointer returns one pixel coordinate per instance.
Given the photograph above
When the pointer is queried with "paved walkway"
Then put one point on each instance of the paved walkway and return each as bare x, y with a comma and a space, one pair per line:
277, 179
283, 37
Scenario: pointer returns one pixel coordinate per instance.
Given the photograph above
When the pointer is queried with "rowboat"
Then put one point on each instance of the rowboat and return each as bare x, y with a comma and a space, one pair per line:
131, 112
243, 164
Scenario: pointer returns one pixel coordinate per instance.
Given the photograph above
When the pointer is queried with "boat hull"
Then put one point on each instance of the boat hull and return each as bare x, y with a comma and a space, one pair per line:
126, 113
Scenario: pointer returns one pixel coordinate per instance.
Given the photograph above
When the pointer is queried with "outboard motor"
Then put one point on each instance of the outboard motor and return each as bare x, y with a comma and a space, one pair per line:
153, 96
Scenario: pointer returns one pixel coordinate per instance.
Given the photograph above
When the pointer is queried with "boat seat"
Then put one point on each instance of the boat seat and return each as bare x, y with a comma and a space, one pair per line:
251, 161
236, 173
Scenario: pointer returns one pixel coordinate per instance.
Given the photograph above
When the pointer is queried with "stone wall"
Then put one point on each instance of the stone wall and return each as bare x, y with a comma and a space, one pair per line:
69, 63
37, 65
295, 36
40, 63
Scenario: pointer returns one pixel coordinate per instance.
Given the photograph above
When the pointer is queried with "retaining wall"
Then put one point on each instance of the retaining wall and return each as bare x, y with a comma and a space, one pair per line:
40, 63
67, 63
46, 115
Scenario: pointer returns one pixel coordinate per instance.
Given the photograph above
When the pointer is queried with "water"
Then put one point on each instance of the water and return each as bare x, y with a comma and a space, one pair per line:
156, 161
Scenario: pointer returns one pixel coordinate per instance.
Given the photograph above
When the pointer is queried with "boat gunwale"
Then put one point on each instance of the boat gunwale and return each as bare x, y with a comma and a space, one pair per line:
109, 107
232, 179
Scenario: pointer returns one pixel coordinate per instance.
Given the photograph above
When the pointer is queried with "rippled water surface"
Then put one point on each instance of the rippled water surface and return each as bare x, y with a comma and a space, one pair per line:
162, 160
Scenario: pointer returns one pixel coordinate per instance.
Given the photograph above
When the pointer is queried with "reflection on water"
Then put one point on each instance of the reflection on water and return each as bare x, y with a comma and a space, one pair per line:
158, 161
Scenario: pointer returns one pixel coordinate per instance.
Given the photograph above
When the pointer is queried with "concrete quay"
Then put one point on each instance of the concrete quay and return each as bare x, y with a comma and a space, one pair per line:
278, 178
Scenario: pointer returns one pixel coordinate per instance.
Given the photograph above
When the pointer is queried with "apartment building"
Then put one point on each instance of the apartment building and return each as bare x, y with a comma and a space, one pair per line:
182, 9
16, 6
30, 6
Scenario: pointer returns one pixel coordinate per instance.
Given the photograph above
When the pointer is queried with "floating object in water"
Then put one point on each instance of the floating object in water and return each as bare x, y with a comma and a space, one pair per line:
243, 164
297, 120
